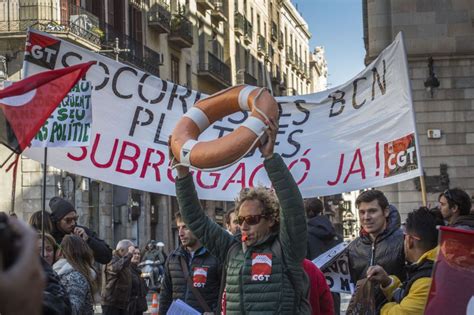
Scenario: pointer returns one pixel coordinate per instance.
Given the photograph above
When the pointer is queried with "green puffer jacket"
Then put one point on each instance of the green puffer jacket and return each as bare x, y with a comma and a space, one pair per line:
244, 295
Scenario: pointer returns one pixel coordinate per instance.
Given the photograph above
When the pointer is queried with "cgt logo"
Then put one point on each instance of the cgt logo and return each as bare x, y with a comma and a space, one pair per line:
400, 156
42, 50
199, 277
261, 266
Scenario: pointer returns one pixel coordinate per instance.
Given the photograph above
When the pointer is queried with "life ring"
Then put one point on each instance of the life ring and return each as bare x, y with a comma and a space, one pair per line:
224, 151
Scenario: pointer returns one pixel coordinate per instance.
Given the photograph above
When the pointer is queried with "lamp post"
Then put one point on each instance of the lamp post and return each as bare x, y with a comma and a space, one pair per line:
432, 81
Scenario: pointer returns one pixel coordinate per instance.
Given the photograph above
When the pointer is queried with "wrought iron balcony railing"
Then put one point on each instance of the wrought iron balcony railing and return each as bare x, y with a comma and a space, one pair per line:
139, 55
281, 43
75, 21
249, 79
289, 55
159, 18
215, 68
274, 32
239, 24
181, 32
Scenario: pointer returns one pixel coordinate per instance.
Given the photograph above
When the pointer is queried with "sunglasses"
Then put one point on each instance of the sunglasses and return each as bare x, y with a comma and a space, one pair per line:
447, 194
251, 219
69, 220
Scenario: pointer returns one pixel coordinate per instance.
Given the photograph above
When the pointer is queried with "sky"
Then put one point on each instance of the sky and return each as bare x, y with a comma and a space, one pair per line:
336, 25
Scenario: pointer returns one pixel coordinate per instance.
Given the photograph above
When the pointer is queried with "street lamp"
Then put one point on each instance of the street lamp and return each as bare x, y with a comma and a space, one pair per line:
432, 81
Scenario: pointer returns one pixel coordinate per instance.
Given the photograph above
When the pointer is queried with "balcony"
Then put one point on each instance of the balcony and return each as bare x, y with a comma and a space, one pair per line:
205, 5
75, 24
215, 70
139, 55
276, 75
299, 67
248, 32
281, 43
274, 32
159, 18
294, 65
289, 56
291, 91
181, 34
261, 46
239, 24
217, 14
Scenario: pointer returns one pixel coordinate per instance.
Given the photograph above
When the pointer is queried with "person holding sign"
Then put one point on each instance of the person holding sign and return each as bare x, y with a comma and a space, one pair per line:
263, 273
380, 241
420, 246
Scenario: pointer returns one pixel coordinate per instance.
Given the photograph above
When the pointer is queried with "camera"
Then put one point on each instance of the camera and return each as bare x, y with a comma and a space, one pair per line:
8, 243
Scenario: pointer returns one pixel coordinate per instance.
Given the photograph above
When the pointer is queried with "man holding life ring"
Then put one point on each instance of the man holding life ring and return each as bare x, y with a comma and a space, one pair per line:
263, 272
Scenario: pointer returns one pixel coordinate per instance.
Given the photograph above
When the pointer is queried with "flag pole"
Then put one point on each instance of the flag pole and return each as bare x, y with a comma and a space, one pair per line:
8, 159
423, 190
43, 209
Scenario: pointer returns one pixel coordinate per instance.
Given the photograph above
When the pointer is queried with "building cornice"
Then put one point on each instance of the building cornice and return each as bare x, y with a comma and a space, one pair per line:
297, 18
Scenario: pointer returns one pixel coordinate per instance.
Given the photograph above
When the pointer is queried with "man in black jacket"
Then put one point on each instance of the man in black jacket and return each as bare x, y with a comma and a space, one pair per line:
203, 269
455, 205
64, 219
321, 233
321, 237
380, 241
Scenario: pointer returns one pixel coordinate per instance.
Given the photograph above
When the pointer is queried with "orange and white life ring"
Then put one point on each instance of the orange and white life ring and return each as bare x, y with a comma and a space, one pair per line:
224, 151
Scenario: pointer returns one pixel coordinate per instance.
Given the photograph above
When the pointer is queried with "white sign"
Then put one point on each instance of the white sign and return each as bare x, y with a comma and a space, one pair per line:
330, 255
338, 276
358, 135
70, 124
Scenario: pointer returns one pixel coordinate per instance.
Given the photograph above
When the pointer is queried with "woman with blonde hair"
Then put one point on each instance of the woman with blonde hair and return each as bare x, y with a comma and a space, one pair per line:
77, 274
50, 248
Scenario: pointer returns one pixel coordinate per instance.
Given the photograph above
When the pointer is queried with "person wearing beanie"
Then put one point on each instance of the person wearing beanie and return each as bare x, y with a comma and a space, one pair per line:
64, 219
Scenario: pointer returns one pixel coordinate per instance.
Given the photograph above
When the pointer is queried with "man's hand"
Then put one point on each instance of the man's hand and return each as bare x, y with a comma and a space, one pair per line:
267, 148
378, 274
182, 171
22, 285
81, 233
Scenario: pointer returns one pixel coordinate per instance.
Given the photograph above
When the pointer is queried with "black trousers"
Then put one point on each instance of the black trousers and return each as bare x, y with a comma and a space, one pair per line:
112, 310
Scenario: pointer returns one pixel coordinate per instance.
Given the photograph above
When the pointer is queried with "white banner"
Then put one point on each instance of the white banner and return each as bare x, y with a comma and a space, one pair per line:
70, 124
358, 135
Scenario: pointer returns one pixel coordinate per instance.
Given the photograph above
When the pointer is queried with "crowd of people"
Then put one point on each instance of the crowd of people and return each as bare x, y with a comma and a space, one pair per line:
260, 263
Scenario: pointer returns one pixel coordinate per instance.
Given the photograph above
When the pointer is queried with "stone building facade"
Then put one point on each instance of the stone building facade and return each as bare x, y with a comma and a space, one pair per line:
442, 89
206, 45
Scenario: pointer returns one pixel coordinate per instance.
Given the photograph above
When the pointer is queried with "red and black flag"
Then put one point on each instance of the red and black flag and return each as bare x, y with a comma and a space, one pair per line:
27, 104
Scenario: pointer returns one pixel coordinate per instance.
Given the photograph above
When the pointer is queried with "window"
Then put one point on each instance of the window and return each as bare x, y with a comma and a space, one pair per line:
258, 24
174, 69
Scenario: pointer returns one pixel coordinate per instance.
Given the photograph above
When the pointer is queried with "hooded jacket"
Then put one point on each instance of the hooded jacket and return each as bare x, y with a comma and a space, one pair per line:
386, 251
413, 293
77, 287
321, 236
